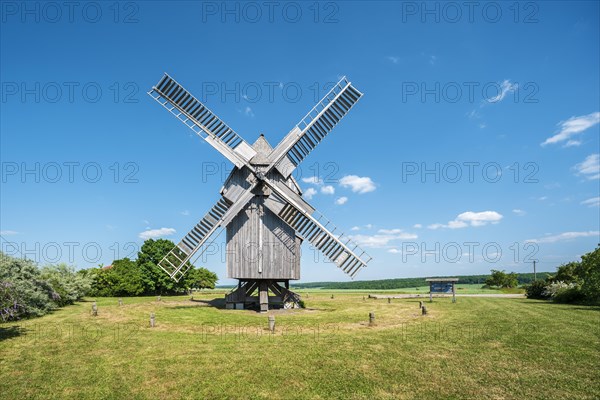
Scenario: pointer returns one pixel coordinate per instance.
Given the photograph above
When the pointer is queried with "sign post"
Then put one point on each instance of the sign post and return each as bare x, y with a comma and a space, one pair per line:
442, 285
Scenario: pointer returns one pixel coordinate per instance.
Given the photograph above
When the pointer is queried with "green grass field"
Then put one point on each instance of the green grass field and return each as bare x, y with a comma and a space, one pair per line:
492, 348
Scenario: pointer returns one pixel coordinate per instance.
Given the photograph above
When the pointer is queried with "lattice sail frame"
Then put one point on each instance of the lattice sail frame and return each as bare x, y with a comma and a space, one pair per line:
285, 157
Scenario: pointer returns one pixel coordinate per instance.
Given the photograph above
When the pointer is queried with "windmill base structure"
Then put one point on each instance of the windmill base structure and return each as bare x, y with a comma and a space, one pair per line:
261, 205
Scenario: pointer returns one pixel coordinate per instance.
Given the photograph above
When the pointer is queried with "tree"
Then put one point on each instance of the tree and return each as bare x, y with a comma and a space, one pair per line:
589, 271
157, 281
567, 273
502, 279
200, 278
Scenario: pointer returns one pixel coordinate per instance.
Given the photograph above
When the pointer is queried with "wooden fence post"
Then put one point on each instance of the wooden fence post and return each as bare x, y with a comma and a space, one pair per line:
420, 304
389, 300
423, 310
152, 320
371, 318
272, 323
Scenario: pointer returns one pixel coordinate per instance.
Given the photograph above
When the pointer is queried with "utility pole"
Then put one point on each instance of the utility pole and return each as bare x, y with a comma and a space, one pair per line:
534, 273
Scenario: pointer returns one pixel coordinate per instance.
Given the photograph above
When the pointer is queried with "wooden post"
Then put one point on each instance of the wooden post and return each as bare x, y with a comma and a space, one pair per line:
272, 323
389, 300
420, 304
152, 320
363, 298
430, 292
120, 302
453, 293
94, 309
332, 296
263, 296
372, 318
423, 310
158, 298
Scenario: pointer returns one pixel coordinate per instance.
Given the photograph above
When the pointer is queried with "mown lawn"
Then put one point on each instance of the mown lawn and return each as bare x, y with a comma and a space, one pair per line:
490, 348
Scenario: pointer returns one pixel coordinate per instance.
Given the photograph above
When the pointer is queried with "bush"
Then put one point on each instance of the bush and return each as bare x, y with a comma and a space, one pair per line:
569, 295
25, 293
68, 284
536, 290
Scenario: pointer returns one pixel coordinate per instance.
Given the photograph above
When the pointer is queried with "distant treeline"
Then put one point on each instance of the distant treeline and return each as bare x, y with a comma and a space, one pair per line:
401, 283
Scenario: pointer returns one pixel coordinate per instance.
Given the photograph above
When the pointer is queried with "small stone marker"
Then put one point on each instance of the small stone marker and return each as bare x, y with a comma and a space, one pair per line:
152, 320
332, 296
94, 309
423, 310
420, 304
389, 300
158, 298
371, 318
120, 302
272, 323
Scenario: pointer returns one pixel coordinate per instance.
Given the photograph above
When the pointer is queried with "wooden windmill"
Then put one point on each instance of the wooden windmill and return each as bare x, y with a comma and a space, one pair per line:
261, 205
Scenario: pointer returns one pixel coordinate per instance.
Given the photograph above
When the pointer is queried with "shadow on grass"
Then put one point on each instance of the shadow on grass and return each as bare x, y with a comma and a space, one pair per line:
10, 332
218, 303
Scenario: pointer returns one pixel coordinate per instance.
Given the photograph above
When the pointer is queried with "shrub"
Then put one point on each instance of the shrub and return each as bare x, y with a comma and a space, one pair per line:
24, 286
536, 290
569, 295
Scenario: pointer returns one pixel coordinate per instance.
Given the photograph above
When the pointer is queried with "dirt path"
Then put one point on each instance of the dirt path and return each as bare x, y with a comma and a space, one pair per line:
421, 296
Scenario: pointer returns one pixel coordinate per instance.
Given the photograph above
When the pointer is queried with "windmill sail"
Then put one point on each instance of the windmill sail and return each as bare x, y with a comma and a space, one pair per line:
201, 120
177, 262
313, 128
340, 249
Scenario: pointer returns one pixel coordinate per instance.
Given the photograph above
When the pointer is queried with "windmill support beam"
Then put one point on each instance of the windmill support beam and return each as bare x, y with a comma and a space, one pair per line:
262, 294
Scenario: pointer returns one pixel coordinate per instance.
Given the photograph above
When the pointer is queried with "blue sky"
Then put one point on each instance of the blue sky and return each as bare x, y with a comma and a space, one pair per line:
499, 103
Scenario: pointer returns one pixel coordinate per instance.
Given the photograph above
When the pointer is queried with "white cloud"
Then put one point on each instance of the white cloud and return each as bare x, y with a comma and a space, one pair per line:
355, 228
470, 218
393, 59
341, 200
417, 226
505, 87
185, 212
248, 112
520, 213
590, 167
8, 233
313, 180
358, 184
394, 251
309, 193
328, 189
390, 231
543, 198
382, 240
155, 233
368, 226
564, 236
593, 202
573, 126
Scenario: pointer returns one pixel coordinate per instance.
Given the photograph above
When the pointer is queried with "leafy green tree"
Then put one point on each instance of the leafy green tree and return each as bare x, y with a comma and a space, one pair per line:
567, 273
129, 278
157, 280
589, 271
200, 278
502, 279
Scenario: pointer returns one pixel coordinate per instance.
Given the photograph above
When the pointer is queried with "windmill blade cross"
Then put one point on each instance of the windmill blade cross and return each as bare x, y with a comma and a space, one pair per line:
196, 116
313, 128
